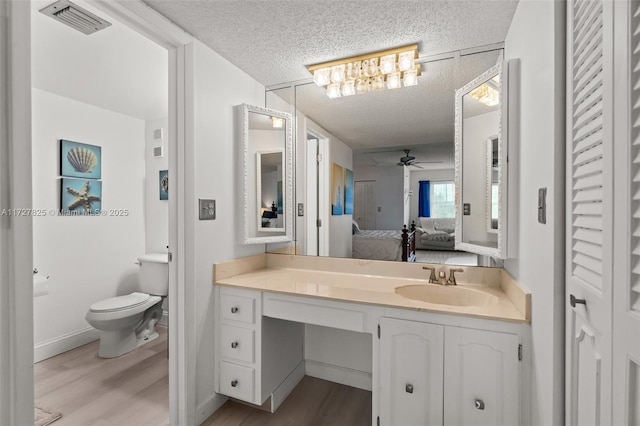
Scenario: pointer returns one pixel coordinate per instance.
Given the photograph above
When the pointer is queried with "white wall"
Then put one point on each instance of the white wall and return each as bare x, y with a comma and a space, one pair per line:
340, 241
156, 210
536, 37
218, 86
430, 175
87, 258
389, 193
476, 130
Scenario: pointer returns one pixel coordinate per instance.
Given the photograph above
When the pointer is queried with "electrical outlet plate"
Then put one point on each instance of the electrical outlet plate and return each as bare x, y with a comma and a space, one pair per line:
207, 209
300, 209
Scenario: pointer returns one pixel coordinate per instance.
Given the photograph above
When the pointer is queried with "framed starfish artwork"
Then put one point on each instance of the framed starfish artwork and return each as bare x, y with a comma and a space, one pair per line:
80, 197
80, 160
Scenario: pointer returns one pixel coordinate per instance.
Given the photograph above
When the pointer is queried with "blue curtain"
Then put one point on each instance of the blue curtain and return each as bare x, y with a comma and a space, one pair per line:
423, 199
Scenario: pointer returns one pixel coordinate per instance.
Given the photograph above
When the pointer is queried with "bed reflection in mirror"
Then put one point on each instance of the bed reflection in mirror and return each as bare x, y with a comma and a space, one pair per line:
270, 174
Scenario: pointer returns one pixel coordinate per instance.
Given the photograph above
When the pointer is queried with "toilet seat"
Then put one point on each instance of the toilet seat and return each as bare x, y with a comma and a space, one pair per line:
119, 303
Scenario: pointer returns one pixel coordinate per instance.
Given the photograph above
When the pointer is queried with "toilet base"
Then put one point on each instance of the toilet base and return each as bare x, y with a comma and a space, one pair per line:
116, 343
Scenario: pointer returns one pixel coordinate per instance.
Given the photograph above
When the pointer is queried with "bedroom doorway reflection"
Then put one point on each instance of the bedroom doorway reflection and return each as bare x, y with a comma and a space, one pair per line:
364, 205
317, 194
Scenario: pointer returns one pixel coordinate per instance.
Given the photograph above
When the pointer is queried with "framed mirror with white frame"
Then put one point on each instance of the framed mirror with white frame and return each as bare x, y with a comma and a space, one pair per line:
267, 174
481, 163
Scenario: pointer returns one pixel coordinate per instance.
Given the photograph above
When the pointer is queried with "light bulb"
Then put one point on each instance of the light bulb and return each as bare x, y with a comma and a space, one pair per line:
410, 78
406, 60
373, 67
362, 86
388, 64
337, 74
377, 83
321, 76
333, 90
393, 80
349, 88
353, 70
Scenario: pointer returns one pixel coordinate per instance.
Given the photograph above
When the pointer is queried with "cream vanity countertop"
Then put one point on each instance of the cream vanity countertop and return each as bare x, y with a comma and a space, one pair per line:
507, 300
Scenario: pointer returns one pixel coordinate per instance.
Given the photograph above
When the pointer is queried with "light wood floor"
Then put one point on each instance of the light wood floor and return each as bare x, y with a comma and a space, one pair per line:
313, 402
132, 390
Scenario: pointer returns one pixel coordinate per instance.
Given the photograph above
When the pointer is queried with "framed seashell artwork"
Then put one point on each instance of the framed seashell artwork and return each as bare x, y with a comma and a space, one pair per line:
164, 184
80, 160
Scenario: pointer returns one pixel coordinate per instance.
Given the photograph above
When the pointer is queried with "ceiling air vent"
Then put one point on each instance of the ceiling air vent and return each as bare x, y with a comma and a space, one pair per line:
74, 16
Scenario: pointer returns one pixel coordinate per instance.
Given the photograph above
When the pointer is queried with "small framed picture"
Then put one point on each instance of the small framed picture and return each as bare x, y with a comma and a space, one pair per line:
80, 197
80, 160
164, 184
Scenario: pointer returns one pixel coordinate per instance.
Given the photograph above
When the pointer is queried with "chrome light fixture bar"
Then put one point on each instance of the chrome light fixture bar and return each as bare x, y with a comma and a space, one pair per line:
392, 68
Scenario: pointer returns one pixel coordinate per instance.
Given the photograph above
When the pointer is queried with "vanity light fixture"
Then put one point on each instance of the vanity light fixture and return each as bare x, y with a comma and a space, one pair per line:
277, 122
391, 69
487, 93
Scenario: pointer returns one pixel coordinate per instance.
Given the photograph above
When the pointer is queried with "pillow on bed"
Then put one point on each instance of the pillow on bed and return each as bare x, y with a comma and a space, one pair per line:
427, 224
355, 229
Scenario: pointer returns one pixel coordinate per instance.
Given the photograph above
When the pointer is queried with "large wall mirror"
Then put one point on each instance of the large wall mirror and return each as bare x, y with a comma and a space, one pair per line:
481, 164
367, 136
267, 174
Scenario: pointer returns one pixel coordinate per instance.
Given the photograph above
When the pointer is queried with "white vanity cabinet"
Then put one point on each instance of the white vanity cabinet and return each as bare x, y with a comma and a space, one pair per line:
433, 374
259, 357
482, 371
411, 379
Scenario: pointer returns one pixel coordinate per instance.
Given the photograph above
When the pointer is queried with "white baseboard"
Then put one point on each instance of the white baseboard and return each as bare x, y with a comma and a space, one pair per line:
64, 343
286, 387
206, 408
333, 373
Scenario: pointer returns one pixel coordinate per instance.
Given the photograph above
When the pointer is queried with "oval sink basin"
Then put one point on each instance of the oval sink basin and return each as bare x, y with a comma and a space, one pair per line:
446, 295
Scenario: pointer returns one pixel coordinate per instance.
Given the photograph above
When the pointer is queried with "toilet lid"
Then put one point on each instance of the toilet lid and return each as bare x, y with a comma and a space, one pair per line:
119, 303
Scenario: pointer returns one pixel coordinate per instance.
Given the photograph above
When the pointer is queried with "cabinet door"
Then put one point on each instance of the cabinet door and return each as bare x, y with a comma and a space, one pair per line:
411, 359
482, 372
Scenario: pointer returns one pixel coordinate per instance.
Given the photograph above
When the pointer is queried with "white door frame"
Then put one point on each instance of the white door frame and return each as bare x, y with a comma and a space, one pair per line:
320, 193
16, 232
16, 259
182, 341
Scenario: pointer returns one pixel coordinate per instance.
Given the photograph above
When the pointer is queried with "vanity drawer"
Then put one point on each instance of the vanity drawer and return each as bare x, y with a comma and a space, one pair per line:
237, 343
237, 308
237, 381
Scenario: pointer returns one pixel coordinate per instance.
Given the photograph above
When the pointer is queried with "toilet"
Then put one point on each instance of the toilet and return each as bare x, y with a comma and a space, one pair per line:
129, 321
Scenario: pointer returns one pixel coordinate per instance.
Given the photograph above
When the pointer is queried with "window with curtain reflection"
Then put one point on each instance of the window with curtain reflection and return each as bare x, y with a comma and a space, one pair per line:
442, 199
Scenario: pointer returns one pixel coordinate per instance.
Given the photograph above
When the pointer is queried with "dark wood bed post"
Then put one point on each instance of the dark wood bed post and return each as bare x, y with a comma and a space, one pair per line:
409, 243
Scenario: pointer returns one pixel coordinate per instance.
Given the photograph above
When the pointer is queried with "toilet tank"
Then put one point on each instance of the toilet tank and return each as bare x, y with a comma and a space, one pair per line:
154, 273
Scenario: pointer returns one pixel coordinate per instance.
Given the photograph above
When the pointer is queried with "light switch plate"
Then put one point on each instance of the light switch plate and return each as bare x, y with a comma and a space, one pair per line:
466, 209
207, 209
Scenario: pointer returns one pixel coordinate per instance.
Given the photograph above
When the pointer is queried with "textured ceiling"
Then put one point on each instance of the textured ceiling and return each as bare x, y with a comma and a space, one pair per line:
273, 41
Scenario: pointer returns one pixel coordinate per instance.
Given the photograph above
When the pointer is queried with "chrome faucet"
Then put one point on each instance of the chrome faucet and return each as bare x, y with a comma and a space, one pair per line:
432, 277
452, 276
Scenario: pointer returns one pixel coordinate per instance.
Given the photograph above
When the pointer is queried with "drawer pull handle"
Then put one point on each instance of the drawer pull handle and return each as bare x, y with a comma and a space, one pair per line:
234, 383
479, 404
408, 388
573, 301
234, 345
234, 310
